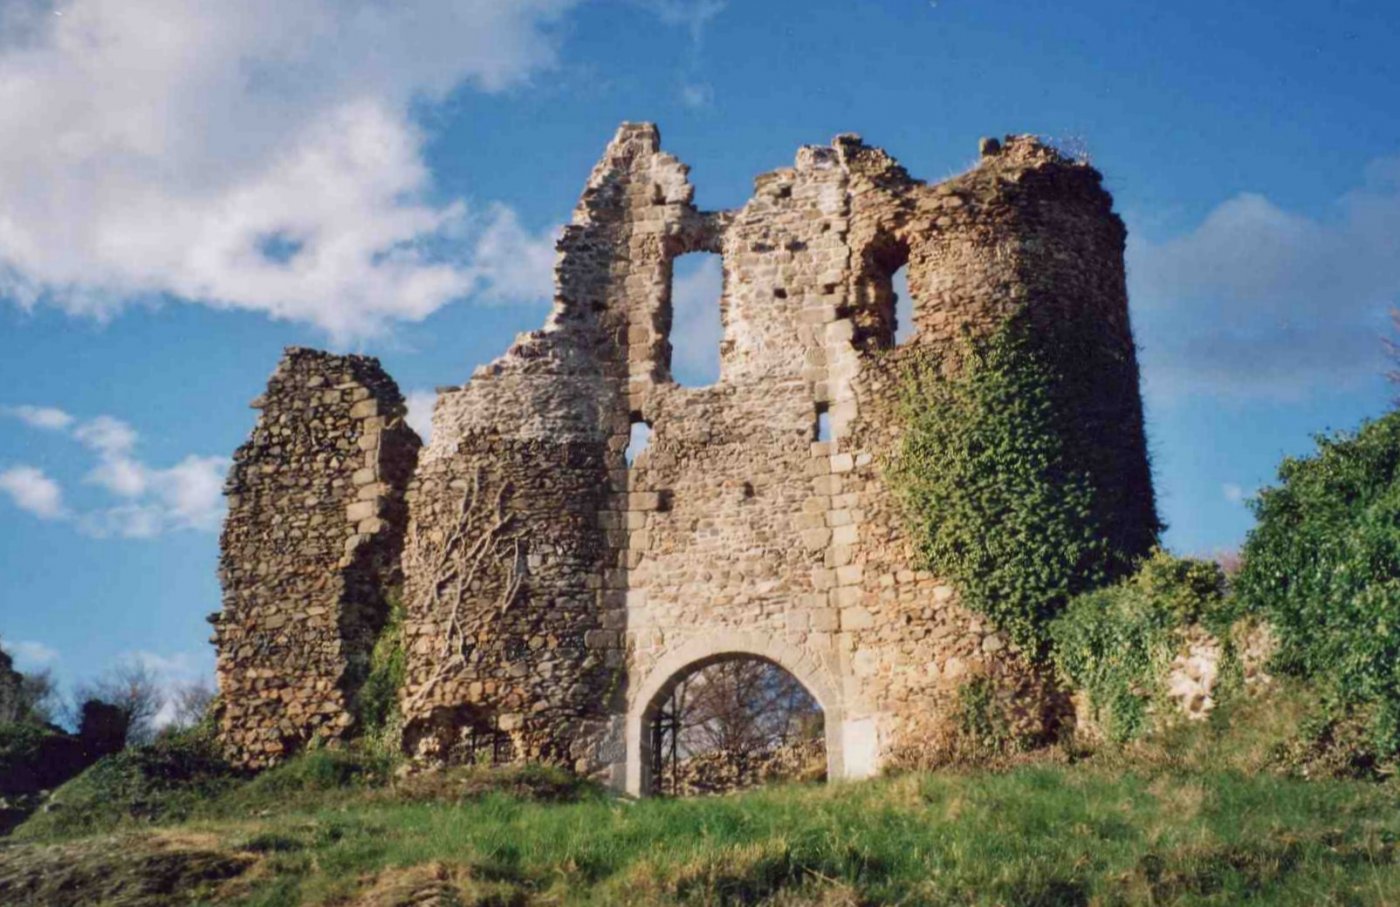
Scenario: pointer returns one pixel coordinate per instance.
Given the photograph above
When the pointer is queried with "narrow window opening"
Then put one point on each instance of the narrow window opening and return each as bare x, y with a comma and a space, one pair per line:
638, 440
884, 313
697, 283
731, 724
823, 428
903, 306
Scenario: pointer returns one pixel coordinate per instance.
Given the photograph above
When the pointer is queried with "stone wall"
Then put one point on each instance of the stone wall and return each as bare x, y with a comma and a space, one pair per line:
555, 594
311, 547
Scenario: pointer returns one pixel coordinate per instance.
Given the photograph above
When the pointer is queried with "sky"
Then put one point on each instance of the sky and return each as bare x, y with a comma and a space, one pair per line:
187, 186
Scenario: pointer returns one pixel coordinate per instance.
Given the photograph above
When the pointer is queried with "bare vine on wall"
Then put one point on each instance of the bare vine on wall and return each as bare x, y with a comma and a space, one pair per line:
483, 542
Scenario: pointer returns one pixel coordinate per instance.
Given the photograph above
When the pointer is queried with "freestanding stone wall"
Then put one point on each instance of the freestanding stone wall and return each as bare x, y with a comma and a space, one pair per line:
556, 594
311, 546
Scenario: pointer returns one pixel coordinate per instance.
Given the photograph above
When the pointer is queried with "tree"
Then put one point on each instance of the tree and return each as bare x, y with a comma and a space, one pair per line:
1393, 348
39, 697
1322, 564
741, 706
192, 701
132, 688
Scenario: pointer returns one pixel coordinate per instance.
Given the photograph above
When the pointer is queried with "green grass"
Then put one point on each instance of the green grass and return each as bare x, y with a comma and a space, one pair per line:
1214, 813
1033, 835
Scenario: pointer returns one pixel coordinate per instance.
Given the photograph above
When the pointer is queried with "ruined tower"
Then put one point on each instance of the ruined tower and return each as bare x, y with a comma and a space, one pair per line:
310, 548
555, 593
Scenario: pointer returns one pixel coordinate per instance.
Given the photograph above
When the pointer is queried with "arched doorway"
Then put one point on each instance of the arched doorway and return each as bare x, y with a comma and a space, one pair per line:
733, 722
816, 676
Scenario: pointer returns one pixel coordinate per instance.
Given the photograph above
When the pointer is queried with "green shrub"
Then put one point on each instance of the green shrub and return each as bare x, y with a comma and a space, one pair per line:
376, 702
1003, 481
1322, 565
1115, 644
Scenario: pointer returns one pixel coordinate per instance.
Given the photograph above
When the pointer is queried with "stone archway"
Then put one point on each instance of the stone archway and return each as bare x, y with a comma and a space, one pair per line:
850, 745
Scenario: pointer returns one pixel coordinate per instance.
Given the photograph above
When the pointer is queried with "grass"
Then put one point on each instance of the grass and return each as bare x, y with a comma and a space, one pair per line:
1036, 834
1033, 835
1209, 814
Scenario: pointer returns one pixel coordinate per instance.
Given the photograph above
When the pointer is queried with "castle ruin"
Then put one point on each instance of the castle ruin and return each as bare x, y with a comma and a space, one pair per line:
553, 593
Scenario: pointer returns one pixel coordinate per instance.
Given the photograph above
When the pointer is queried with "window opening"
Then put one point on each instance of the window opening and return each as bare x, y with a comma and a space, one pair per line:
697, 283
638, 440
823, 427
903, 306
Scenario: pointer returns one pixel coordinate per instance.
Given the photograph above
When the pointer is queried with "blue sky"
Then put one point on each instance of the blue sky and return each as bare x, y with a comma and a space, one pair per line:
185, 188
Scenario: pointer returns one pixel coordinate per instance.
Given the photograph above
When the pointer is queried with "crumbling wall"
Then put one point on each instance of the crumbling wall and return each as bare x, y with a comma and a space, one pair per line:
554, 592
311, 547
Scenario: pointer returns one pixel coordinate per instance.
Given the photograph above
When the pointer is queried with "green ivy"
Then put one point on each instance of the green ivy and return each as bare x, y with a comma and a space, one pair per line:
1002, 479
1322, 565
1115, 644
377, 701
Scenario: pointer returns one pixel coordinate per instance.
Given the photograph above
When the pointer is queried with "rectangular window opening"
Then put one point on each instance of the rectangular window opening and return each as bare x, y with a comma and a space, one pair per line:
823, 427
638, 440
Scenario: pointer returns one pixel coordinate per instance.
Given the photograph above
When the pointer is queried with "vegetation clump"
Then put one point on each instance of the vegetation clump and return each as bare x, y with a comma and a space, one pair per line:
1115, 645
1003, 491
1322, 566
164, 781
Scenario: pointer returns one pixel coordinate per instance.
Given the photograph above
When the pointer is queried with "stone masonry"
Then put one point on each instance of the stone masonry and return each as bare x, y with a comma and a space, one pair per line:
554, 593
311, 545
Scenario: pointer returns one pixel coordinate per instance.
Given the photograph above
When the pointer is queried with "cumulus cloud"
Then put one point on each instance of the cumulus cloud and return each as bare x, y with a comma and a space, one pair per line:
29, 489
1258, 301
46, 417
696, 329
257, 154
188, 495
420, 412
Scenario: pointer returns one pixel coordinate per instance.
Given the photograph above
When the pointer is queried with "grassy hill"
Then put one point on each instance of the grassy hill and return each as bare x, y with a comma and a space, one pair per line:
1207, 814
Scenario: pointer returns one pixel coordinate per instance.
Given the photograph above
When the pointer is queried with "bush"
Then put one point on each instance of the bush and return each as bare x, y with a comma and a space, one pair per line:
1115, 644
1322, 565
377, 700
1008, 491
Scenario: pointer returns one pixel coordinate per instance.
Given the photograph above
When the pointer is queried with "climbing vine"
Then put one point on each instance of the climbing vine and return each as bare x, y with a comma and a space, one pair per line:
483, 549
1001, 491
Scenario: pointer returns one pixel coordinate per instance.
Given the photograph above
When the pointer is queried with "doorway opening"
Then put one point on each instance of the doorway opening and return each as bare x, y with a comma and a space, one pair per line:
733, 723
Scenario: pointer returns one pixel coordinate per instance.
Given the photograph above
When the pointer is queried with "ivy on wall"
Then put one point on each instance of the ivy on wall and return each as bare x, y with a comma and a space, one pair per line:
1000, 486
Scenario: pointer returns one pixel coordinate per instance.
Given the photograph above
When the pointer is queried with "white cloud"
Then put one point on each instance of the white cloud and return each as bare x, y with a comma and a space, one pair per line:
1258, 301
696, 328
31, 490
1233, 493
697, 94
420, 412
257, 154
694, 16
30, 655
46, 417
188, 495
